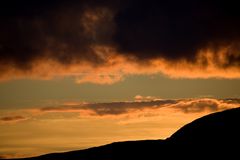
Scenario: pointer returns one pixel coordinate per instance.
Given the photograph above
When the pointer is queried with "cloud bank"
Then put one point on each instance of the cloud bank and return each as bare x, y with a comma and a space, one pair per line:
104, 41
144, 107
140, 109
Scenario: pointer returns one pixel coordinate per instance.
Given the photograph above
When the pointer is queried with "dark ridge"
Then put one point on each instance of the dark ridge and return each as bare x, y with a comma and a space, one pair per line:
210, 129
213, 136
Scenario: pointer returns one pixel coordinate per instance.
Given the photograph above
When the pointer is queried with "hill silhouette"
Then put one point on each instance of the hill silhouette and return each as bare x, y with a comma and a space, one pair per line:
213, 136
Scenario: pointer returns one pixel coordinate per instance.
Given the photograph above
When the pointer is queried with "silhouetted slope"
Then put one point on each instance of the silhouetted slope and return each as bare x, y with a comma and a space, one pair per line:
216, 135
212, 136
117, 151
212, 129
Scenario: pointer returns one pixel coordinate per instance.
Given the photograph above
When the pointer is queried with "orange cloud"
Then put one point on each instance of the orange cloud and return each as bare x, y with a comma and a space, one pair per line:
140, 109
144, 108
82, 42
12, 119
139, 98
115, 67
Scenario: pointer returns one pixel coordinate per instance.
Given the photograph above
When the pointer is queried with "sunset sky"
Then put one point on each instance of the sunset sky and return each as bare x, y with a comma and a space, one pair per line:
81, 73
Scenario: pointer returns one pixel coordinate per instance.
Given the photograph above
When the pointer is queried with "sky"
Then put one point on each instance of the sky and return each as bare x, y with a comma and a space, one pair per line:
77, 74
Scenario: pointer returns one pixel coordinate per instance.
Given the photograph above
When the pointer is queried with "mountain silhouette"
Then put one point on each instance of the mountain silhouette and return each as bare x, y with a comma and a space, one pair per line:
213, 136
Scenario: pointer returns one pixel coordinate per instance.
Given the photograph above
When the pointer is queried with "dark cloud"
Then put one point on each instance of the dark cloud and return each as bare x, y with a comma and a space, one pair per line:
68, 30
119, 108
177, 29
113, 108
12, 118
144, 108
59, 30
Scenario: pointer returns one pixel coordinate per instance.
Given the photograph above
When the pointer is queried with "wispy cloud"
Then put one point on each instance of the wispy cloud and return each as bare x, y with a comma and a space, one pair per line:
12, 119
145, 104
142, 106
112, 108
199, 105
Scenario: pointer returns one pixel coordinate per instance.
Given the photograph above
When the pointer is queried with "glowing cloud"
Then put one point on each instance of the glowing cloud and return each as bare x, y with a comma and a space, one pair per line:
104, 42
144, 107
116, 66
12, 119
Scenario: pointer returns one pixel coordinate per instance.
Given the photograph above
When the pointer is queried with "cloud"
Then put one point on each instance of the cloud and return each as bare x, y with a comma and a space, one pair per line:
140, 98
144, 107
113, 108
104, 41
199, 105
116, 67
12, 119
141, 109
174, 29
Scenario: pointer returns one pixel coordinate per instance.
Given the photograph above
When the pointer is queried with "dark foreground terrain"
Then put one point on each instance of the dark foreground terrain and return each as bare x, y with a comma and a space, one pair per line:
213, 136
